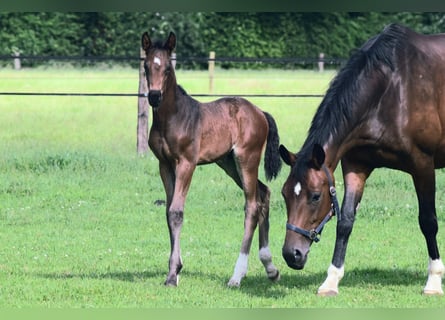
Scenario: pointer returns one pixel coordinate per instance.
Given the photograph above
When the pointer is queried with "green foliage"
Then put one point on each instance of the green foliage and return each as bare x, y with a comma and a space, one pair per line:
229, 34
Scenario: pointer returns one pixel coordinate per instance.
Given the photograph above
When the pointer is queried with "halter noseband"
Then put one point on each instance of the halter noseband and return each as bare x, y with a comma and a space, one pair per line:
314, 234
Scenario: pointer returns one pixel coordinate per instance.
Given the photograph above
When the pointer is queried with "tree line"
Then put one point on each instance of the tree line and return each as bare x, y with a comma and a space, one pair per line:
229, 34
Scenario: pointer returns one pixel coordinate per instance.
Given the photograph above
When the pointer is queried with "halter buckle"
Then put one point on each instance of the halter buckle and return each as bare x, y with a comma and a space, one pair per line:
314, 235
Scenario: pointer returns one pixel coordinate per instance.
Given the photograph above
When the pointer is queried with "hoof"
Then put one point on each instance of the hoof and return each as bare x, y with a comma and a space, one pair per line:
276, 277
233, 283
172, 282
327, 293
432, 293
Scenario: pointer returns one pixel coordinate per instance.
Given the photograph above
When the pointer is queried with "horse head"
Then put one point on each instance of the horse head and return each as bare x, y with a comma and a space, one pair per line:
309, 194
158, 66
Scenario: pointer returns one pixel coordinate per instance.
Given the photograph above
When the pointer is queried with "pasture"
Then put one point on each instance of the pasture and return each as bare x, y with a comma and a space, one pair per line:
79, 227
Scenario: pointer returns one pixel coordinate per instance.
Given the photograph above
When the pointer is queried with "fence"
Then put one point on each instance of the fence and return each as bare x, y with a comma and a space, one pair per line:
143, 108
318, 63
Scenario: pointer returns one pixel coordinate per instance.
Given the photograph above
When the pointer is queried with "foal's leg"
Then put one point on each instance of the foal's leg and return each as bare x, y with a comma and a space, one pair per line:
230, 166
425, 188
176, 194
263, 226
247, 171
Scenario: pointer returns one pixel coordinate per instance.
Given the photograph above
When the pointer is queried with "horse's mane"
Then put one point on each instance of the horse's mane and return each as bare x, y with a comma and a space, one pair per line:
335, 115
338, 111
182, 90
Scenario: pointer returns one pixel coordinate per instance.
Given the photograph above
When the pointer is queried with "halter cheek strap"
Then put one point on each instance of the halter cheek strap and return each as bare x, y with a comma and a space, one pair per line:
314, 234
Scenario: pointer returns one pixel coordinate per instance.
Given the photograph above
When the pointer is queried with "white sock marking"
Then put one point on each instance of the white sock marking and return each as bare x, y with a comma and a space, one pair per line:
266, 259
240, 270
436, 270
330, 285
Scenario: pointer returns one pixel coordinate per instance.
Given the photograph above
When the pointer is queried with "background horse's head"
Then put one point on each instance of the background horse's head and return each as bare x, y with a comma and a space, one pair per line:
158, 67
308, 202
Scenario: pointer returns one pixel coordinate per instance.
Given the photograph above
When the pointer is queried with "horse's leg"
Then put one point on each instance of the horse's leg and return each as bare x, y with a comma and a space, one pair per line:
263, 228
175, 214
168, 179
228, 164
241, 177
424, 182
354, 184
247, 166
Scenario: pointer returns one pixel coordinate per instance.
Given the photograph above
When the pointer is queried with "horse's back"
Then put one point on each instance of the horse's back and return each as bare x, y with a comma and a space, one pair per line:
408, 122
423, 92
234, 110
231, 123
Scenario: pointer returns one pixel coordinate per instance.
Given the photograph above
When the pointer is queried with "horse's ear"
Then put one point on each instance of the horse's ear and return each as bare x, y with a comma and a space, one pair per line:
170, 44
145, 42
318, 156
288, 157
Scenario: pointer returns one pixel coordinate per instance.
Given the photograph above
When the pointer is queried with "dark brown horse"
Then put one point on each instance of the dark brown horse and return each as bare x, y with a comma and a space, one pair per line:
231, 132
385, 108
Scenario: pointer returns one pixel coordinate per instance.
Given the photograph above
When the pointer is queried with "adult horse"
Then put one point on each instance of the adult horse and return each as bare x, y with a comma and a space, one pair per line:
231, 132
385, 108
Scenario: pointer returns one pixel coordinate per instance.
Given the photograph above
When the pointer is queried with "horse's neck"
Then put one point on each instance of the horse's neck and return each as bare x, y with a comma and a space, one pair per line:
168, 104
334, 153
169, 107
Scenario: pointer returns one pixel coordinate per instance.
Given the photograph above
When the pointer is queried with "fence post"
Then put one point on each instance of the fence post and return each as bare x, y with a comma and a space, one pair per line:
173, 59
142, 126
211, 70
17, 62
321, 62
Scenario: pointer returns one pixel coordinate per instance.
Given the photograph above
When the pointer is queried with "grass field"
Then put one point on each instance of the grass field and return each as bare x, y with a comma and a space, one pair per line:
79, 228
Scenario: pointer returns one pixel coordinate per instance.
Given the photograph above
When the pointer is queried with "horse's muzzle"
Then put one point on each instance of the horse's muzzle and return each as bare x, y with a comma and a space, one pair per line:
155, 98
294, 258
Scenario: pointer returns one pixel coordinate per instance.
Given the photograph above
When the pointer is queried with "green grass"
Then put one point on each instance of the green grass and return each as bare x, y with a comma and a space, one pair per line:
79, 228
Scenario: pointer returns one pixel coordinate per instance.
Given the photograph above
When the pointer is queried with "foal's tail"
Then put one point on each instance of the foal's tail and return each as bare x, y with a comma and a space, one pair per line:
272, 159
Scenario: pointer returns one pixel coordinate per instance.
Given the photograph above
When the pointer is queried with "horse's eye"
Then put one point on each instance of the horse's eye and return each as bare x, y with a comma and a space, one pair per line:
315, 197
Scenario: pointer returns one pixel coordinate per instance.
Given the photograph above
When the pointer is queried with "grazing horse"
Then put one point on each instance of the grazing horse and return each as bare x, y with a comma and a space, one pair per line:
230, 132
385, 108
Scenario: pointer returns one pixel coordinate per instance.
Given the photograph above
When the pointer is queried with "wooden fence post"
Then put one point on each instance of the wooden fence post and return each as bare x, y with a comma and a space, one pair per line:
142, 126
17, 62
211, 70
321, 62
173, 59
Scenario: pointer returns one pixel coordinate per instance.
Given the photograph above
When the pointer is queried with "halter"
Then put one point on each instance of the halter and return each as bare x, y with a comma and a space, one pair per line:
314, 234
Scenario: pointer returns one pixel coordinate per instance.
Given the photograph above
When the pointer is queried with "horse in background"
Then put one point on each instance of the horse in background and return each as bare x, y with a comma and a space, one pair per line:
231, 132
385, 108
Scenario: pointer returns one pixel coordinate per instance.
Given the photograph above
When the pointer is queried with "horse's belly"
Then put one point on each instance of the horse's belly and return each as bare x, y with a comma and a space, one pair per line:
439, 157
210, 152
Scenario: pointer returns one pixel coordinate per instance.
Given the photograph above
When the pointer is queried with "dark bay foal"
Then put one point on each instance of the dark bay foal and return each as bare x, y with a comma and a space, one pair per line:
230, 132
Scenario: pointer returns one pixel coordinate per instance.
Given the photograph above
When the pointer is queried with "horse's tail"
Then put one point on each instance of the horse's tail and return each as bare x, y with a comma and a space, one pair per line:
272, 159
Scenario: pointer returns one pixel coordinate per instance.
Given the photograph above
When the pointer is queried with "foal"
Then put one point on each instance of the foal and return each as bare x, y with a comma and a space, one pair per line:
230, 132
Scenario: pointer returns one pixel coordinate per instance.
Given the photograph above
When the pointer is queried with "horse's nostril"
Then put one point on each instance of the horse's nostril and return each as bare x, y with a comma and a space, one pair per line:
297, 254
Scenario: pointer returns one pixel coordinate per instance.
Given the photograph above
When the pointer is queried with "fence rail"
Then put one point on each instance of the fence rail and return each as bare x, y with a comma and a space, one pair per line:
142, 115
289, 60
79, 94
294, 60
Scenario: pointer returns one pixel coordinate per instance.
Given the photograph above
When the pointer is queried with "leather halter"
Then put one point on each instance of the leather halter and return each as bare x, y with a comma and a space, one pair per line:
314, 234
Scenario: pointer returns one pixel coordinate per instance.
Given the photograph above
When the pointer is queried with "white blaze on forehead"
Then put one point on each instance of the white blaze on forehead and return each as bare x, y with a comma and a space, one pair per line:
157, 61
297, 188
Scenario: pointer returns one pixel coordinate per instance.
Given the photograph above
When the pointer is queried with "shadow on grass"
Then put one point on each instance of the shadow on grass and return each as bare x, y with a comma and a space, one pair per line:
259, 285
127, 276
